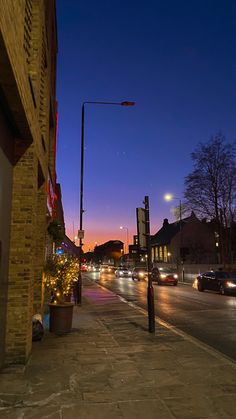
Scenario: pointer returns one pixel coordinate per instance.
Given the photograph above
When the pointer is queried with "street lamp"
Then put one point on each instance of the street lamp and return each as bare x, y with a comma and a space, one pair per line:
127, 236
81, 233
169, 197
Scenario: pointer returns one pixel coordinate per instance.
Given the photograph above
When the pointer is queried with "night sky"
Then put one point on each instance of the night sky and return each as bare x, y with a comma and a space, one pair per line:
177, 60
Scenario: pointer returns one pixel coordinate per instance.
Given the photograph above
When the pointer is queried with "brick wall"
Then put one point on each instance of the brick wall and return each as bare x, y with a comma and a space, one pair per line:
21, 260
6, 175
28, 48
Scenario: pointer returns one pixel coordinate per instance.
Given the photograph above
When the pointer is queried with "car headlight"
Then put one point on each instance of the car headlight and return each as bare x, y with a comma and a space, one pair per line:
163, 276
175, 276
195, 283
129, 273
102, 270
121, 273
141, 273
230, 284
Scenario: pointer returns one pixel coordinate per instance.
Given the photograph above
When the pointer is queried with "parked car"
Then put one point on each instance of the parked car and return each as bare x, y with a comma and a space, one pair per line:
122, 271
219, 281
139, 273
164, 276
106, 269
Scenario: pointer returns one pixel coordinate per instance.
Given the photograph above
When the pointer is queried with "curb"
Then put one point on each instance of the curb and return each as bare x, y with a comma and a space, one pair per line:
196, 342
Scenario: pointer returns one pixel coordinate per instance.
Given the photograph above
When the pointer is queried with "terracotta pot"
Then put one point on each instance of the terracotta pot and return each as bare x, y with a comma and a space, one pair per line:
60, 319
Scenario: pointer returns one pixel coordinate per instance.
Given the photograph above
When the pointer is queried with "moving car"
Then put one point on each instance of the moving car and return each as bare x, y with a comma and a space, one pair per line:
122, 271
219, 281
106, 269
96, 268
164, 276
139, 273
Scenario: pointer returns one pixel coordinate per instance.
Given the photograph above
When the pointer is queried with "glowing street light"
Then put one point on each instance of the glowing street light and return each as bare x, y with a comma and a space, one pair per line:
81, 232
170, 197
127, 236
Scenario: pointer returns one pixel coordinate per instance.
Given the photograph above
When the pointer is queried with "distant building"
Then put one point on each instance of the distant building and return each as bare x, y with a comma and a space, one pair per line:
136, 256
190, 240
109, 252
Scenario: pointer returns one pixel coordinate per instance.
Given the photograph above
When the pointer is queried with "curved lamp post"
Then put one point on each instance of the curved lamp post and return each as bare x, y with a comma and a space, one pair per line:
170, 197
127, 236
81, 233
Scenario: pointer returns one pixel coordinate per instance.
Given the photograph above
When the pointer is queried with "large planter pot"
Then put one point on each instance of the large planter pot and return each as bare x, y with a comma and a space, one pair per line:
60, 318
67, 298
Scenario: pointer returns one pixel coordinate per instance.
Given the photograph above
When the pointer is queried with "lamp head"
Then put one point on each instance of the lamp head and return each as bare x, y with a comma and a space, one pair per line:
168, 197
127, 103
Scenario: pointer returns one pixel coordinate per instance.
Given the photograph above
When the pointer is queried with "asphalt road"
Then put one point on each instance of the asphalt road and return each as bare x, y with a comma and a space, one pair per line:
207, 316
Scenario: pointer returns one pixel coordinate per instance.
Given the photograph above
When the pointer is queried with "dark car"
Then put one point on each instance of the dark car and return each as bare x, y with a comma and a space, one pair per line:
219, 281
164, 276
139, 273
122, 271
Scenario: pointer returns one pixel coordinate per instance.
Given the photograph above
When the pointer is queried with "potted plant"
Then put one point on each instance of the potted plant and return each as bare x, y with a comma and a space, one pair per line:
60, 272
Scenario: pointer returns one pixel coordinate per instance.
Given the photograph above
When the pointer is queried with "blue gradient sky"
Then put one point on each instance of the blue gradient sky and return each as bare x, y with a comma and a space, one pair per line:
177, 61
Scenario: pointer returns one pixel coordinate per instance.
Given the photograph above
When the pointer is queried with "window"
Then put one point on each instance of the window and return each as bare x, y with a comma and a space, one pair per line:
28, 30
165, 254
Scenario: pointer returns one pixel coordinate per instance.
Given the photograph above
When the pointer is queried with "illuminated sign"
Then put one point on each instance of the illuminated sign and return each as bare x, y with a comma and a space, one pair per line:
50, 196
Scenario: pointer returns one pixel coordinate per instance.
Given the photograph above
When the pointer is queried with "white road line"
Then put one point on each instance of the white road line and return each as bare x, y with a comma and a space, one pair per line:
211, 351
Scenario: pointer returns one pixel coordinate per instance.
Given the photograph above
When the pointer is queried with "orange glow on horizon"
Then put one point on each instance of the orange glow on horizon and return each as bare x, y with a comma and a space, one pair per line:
93, 238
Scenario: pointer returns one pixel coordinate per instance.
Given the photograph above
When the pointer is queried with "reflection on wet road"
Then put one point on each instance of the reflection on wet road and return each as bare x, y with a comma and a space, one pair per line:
207, 316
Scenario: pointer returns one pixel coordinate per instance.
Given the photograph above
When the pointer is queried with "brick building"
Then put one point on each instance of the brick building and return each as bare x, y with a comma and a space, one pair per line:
109, 252
190, 240
28, 48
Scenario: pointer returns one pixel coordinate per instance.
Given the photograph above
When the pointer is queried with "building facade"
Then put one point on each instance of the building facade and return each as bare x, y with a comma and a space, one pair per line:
28, 123
109, 252
189, 240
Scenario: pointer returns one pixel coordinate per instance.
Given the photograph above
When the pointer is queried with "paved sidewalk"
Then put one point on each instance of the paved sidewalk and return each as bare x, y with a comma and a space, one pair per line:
110, 367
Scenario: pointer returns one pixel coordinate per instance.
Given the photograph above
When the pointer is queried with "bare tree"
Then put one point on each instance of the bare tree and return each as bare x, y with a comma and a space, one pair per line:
210, 190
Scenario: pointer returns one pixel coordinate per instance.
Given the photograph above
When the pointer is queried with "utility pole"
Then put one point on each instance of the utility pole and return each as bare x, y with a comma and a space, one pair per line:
81, 231
150, 291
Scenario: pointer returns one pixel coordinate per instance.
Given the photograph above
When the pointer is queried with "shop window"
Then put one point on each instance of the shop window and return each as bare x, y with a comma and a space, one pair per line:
165, 254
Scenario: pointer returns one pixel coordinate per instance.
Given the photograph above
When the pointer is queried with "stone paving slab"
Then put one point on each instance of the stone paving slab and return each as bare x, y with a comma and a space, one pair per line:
110, 367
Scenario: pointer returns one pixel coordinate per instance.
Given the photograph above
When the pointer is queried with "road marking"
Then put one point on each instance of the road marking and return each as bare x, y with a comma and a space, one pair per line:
211, 351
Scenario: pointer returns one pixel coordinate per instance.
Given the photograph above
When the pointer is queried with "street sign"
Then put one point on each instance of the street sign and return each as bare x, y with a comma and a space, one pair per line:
141, 228
80, 234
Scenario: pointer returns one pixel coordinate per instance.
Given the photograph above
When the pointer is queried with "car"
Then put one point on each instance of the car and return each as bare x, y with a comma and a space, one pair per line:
139, 273
95, 268
122, 271
220, 281
106, 269
164, 276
